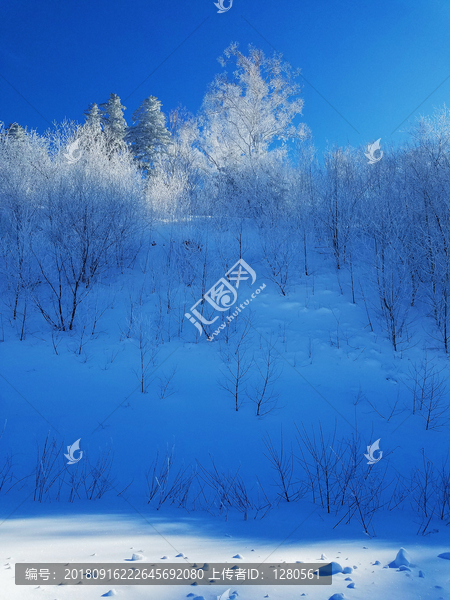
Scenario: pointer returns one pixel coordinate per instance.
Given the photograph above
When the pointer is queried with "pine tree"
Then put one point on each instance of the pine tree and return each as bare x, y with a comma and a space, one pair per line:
114, 124
16, 131
93, 117
148, 135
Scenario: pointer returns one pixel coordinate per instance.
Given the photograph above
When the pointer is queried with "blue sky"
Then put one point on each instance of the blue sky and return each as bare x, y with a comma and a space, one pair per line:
372, 63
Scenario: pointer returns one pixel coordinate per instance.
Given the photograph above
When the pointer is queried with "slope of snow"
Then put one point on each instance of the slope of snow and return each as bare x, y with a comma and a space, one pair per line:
333, 371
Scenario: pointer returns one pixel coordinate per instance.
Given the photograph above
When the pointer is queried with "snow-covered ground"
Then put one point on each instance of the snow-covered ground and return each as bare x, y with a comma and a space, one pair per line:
333, 371
63, 534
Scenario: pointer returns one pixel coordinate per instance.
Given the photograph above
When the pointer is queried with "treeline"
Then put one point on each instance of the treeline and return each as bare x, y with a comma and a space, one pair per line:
80, 202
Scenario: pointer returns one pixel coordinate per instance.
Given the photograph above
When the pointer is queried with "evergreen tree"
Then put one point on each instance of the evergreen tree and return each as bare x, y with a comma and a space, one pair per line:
16, 131
93, 117
114, 124
148, 135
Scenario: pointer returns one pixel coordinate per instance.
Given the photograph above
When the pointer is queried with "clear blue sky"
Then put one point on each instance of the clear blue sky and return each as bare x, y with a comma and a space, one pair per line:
374, 61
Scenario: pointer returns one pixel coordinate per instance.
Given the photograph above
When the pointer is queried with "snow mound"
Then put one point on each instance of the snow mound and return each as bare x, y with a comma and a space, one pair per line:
331, 569
401, 560
337, 597
351, 585
238, 556
445, 555
110, 593
225, 595
181, 555
347, 570
137, 557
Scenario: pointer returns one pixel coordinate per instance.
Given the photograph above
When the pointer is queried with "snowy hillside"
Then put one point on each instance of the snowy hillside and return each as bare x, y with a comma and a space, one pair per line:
332, 373
217, 346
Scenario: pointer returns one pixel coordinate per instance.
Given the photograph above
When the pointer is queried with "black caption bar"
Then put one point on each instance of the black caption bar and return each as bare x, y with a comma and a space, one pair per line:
173, 574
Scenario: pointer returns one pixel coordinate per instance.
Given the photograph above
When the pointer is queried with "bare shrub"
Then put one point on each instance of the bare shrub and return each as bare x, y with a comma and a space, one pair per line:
237, 363
165, 484
429, 393
282, 462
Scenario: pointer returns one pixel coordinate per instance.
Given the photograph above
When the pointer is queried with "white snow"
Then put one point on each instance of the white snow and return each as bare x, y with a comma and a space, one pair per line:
200, 421
137, 557
402, 559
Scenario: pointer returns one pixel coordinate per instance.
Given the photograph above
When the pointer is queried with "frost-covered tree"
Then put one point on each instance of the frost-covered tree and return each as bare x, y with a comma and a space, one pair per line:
23, 164
428, 176
93, 117
114, 124
16, 132
341, 189
90, 216
179, 185
148, 136
245, 115
253, 107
